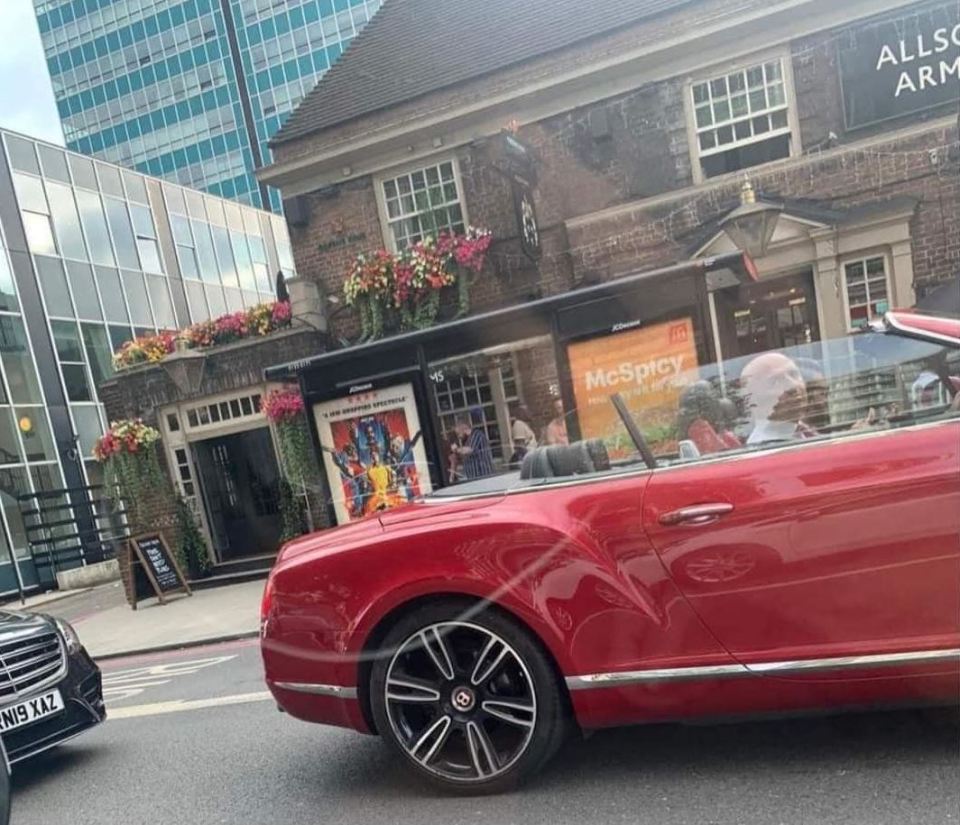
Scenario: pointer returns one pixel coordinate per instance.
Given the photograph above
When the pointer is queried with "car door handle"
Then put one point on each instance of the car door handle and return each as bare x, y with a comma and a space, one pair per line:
696, 514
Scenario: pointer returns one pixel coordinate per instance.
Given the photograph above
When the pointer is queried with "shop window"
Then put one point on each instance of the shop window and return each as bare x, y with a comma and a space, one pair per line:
422, 202
478, 399
741, 119
464, 393
867, 290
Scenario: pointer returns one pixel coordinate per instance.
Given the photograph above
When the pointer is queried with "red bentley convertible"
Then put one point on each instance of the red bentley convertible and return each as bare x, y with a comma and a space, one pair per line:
797, 549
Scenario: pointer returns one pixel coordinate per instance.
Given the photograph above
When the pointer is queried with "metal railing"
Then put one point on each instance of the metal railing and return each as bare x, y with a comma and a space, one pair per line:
70, 527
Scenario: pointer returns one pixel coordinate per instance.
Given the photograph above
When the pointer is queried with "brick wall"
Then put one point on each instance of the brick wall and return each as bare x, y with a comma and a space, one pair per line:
632, 147
840, 178
143, 391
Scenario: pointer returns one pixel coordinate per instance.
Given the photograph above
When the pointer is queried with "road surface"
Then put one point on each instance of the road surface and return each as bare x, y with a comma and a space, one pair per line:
194, 740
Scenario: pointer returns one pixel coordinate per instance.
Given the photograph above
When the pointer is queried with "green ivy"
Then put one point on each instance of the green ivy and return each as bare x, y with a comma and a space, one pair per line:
134, 477
192, 548
295, 451
292, 515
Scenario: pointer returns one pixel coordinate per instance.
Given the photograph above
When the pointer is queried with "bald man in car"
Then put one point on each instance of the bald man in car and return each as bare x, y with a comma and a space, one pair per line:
775, 394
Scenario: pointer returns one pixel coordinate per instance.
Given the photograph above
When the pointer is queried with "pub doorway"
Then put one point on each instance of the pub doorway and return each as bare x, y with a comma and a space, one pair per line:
769, 314
240, 485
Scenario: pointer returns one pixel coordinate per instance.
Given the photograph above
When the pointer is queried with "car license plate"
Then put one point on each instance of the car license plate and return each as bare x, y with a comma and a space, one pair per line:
30, 710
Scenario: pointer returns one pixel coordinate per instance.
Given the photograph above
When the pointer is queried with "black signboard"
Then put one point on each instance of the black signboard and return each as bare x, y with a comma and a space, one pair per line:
526, 218
159, 565
900, 65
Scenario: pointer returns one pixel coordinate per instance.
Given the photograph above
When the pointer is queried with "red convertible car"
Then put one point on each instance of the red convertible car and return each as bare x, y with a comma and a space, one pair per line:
801, 554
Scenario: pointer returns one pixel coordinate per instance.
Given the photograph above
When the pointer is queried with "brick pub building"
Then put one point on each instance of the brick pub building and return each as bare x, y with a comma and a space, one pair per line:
598, 142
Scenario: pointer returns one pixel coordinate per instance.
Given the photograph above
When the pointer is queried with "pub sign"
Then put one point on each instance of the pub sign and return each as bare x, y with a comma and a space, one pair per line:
900, 65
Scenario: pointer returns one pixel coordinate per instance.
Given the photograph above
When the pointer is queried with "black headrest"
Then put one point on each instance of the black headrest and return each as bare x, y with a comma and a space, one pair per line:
535, 464
566, 460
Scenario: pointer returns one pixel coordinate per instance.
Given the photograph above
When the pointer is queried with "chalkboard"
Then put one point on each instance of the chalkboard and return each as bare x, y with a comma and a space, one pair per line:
160, 566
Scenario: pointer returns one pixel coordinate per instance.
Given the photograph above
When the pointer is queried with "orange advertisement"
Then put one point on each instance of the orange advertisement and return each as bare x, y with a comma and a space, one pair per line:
648, 366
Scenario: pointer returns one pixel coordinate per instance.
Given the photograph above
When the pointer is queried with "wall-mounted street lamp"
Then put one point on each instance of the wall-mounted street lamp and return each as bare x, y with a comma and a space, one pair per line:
185, 367
751, 225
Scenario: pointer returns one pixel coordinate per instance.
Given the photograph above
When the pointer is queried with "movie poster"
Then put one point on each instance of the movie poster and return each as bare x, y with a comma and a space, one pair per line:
373, 451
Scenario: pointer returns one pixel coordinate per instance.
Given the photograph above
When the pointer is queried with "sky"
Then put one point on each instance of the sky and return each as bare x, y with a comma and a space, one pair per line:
26, 98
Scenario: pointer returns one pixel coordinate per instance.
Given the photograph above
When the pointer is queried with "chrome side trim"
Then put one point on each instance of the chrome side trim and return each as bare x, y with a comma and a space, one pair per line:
673, 674
339, 691
631, 677
844, 662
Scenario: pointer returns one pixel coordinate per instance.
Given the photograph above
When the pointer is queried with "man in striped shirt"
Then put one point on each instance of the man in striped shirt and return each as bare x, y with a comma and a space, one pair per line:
475, 453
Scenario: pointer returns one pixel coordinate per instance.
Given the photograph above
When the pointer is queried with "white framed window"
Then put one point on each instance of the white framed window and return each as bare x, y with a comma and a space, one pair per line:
866, 289
742, 118
421, 201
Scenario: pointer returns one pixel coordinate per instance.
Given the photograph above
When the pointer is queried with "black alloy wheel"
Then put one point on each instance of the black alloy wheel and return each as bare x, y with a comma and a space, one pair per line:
470, 700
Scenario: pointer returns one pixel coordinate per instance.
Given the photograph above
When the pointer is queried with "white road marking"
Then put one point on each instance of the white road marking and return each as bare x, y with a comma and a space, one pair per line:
176, 706
120, 685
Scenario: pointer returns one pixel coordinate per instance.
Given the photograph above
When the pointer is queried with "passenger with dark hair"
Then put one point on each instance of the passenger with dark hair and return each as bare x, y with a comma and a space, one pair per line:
703, 420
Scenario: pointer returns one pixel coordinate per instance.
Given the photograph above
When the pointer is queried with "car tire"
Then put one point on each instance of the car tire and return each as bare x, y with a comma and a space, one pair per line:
507, 742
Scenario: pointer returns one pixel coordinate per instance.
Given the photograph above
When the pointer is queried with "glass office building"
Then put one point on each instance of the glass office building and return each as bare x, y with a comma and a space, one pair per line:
190, 90
92, 255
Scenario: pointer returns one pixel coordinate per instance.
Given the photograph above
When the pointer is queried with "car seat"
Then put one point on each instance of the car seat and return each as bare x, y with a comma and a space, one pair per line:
559, 461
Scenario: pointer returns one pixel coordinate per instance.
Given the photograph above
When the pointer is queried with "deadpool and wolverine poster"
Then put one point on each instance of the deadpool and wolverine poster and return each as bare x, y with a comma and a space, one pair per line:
373, 451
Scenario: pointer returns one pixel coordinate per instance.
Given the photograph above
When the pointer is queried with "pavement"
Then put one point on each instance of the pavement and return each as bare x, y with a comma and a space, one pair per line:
108, 627
193, 738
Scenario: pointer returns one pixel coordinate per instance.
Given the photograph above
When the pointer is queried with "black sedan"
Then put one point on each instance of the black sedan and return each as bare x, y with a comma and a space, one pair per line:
50, 688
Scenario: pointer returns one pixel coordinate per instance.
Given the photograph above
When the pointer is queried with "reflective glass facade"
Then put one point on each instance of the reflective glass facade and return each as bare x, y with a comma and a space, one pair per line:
92, 255
189, 91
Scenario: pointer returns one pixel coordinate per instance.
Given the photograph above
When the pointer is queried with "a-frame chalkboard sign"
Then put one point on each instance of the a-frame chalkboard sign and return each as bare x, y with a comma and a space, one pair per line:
151, 557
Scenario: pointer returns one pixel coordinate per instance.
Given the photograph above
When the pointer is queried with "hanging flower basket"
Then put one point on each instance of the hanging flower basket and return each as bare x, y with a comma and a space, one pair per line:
284, 409
131, 467
254, 322
403, 290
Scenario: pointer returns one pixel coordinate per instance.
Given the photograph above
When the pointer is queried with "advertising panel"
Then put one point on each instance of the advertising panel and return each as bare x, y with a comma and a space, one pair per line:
373, 451
644, 365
